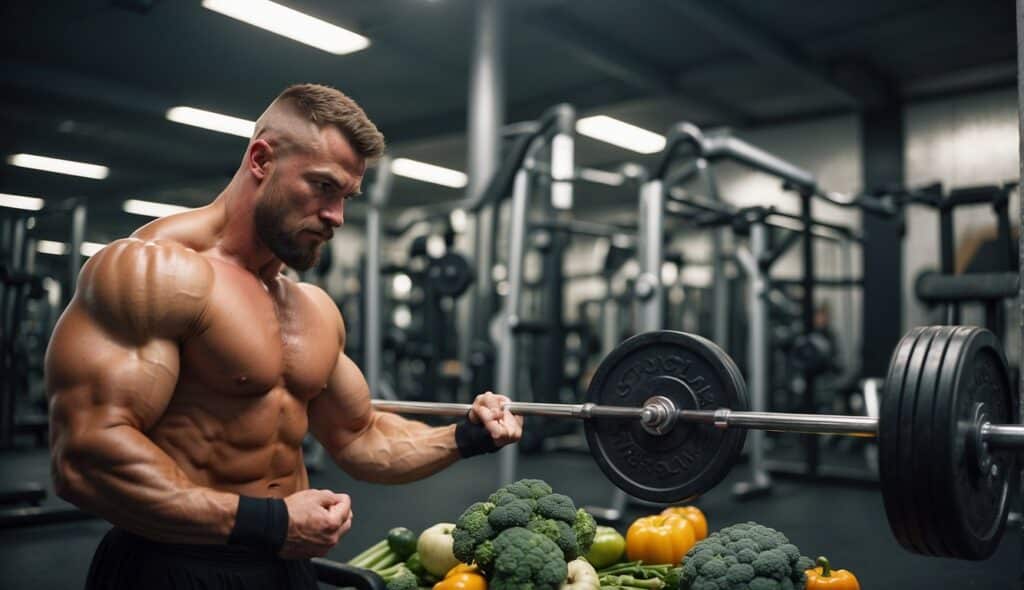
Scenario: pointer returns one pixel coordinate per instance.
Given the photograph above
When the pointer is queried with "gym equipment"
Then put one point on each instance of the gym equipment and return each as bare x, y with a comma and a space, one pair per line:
666, 413
996, 282
450, 275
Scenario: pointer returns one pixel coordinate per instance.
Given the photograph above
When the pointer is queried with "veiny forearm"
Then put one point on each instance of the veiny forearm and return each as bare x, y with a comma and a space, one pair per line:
392, 449
121, 475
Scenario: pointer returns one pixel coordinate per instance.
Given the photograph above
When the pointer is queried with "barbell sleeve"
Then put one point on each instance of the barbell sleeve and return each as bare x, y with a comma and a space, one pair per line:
1003, 435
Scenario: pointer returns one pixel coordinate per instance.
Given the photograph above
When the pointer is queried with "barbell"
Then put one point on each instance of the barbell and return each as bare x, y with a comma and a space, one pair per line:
666, 418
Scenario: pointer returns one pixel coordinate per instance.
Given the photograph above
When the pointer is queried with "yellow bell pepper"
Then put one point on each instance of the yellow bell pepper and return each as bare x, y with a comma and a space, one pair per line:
462, 577
694, 515
659, 539
825, 577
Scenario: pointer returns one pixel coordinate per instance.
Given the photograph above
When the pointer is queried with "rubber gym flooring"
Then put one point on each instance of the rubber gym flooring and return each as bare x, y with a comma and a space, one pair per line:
843, 522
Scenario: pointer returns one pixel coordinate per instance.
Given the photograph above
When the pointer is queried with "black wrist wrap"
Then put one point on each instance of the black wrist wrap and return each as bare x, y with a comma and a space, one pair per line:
473, 439
261, 523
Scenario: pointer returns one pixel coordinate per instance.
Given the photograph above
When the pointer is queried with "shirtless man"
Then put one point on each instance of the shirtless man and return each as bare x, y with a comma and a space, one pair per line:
184, 374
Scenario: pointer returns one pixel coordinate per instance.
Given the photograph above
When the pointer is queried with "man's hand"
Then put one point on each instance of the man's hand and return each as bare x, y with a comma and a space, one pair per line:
316, 520
500, 423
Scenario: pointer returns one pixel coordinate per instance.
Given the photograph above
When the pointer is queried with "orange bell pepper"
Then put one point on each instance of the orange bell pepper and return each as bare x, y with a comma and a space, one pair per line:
659, 539
694, 515
824, 576
462, 577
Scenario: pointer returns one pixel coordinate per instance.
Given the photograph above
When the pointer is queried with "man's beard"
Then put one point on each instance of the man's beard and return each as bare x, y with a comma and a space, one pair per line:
269, 221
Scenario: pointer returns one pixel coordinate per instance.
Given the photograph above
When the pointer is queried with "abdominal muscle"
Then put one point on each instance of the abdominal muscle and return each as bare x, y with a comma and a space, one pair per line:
244, 444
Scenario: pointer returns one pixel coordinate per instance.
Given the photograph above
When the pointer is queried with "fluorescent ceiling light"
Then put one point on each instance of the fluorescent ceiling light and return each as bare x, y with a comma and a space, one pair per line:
429, 173
51, 247
212, 121
620, 133
61, 248
152, 209
59, 166
21, 202
90, 248
291, 23
601, 176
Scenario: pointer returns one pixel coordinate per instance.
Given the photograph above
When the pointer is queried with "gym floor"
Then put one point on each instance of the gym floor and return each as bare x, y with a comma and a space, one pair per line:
846, 523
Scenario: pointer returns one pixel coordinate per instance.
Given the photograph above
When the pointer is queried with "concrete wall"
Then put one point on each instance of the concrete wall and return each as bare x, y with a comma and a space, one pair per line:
959, 142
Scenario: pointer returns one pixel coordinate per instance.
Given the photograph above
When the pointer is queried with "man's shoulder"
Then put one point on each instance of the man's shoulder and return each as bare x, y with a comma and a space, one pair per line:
323, 300
145, 288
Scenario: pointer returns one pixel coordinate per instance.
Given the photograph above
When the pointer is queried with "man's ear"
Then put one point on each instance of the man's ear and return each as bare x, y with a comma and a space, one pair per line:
259, 158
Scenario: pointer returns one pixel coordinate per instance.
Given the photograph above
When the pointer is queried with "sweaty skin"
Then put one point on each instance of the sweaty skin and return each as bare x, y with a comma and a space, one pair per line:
187, 368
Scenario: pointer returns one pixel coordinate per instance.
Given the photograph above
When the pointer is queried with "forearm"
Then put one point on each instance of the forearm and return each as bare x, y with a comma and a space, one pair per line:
392, 449
121, 475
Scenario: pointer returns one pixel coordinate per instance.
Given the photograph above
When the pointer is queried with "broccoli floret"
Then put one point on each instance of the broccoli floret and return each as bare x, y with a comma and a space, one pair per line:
471, 529
529, 488
740, 573
772, 564
516, 513
403, 580
585, 528
746, 555
526, 560
501, 497
558, 507
562, 534
484, 555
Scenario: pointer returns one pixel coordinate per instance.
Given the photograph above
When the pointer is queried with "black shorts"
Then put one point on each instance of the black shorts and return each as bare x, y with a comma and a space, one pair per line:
127, 561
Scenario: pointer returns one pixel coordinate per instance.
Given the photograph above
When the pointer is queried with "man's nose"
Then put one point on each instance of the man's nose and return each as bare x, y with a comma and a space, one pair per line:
334, 214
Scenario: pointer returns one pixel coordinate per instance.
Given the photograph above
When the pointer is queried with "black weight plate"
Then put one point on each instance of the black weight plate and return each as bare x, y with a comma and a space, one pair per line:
923, 442
907, 452
971, 507
688, 460
893, 479
450, 275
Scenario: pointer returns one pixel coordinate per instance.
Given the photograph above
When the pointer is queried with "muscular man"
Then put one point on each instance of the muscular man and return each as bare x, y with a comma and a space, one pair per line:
184, 374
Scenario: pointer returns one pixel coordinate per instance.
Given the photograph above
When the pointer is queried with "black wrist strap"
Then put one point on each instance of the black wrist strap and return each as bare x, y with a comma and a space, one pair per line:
260, 522
473, 439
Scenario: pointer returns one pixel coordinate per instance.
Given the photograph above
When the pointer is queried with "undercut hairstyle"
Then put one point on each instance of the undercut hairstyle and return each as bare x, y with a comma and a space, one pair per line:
324, 105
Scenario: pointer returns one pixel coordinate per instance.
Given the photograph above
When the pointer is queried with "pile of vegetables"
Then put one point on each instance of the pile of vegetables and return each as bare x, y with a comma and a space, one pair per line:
527, 537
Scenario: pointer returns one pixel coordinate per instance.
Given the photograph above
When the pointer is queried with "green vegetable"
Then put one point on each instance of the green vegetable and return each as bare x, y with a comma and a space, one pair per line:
634, 574
378, 557
745, 555
402, 542
415, 565
527, 503
585, 528
607, 548
525, 560
403, 579
514, 513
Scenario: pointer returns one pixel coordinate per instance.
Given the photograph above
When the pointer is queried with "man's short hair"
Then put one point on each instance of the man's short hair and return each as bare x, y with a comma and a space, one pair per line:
324, 105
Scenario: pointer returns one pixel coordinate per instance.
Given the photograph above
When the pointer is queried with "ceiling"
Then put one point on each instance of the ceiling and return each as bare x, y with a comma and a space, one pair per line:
90, 80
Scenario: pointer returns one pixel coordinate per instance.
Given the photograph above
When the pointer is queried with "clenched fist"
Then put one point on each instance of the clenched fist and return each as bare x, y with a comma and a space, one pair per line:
316, 521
